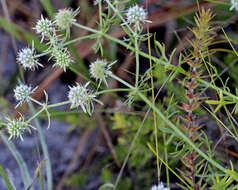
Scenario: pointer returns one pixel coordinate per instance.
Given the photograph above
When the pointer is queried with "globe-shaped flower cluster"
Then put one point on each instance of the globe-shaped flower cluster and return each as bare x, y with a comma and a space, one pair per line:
22, 93
26, 57
81, 96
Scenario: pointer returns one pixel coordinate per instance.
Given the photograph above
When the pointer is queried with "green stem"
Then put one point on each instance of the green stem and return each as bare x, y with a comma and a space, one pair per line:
155, 59
44, 149
120, 16
58, 104
113, 90
21, 163
91, 36
172, 126
35, 115
137, 60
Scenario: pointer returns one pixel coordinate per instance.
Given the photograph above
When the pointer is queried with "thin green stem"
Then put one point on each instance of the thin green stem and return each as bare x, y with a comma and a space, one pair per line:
20, 161
36, 101
172, 126
35, 115
207, 84
90, 36
154, 114
100, 14
44, 149
113, 90
137, 61
120, 16
58, 104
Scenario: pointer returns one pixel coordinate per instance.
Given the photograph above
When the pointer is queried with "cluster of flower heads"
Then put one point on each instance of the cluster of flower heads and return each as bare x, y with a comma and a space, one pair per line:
81, 96
234, 5
48, 30
78, 95
159, 187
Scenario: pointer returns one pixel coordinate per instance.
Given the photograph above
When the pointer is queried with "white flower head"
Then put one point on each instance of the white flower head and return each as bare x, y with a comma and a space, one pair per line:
26, 58
81, 96
234, 5
16, 127
159, 187
100, 69
45, 28
65, 18
22, 93
62, 58
136, 15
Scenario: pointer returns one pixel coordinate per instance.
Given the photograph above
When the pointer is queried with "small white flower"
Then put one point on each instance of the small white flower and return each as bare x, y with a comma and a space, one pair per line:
100, 69
159, 187
22, 93
26, 57
234, 5
16, 127
45, 28
136, 15
65, 18
62, 58
81, 96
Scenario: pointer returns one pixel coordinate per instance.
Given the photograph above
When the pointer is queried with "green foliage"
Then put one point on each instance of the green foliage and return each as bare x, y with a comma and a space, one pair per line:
5, 178
171, 134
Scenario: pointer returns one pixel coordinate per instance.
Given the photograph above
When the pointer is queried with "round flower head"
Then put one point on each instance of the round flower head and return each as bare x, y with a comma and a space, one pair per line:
62, 58
22, 93
81, 96
234, 5
26, 57
16, 127
159, 187
136, 15
100, 69
65, 18
45, 28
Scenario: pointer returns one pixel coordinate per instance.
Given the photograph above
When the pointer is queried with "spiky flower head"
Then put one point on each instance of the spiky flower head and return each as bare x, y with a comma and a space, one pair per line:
22, 93
100, 69
136, 15
64, 19
234, 4
81, 96
26, 58
159, 187
62, 58
16, 127
45, 28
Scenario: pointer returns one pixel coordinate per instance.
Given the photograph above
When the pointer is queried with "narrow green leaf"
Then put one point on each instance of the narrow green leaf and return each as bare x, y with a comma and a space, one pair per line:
213, 102
21, 163
21, 34
48, 7
5, 178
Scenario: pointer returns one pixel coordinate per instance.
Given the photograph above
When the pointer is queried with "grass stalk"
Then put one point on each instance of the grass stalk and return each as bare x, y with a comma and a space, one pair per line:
44, 149
20, 161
